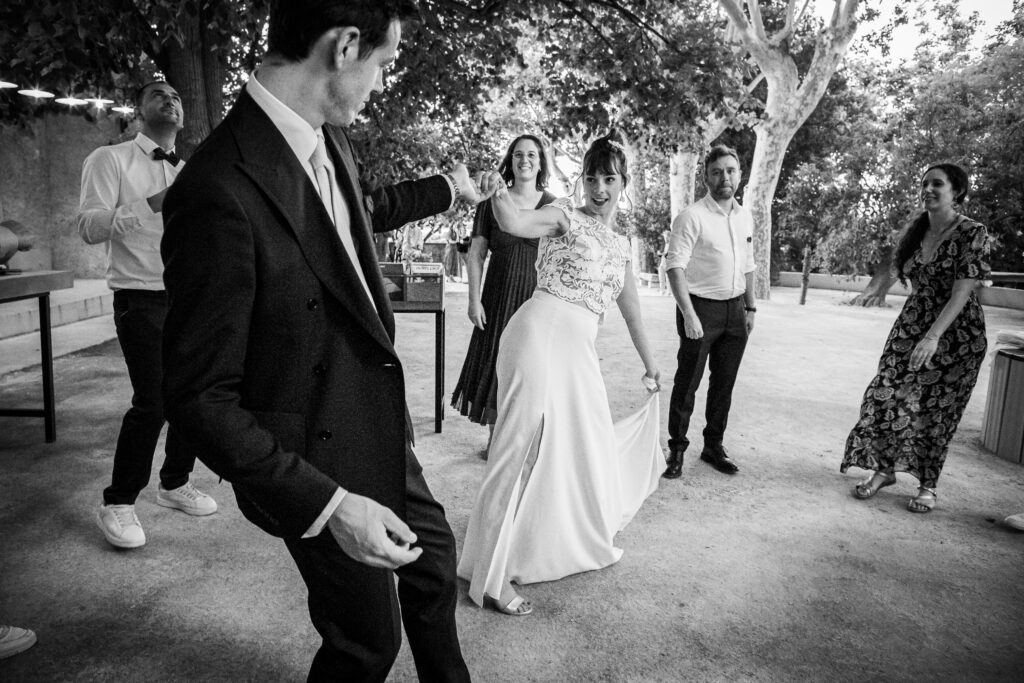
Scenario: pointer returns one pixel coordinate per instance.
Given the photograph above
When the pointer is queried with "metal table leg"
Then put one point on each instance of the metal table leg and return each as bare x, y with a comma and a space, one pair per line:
46, 353
438, 370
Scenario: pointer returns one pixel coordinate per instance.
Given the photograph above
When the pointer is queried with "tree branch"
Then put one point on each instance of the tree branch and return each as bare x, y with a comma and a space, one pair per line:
151, 42
792, 21
754, 8
637, 21
738, 22
571, 6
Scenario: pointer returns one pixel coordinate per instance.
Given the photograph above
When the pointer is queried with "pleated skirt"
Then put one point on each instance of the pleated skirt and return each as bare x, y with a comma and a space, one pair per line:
562, 479
510, 281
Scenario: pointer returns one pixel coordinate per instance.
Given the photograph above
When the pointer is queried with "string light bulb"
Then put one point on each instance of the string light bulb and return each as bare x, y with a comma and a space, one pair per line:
36, 93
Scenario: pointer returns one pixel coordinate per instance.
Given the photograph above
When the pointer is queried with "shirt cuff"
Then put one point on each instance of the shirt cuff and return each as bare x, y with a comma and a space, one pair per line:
320, 522
674, 259
452, 187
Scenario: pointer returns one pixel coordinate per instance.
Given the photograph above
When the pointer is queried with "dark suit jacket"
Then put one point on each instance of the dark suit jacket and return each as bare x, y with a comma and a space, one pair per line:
277, 367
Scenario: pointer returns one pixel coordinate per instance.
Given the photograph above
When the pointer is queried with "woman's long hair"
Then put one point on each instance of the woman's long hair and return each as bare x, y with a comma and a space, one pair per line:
914, 232
505, 168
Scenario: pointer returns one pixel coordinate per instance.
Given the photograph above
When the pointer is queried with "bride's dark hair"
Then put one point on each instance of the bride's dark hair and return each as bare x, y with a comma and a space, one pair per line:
607, 156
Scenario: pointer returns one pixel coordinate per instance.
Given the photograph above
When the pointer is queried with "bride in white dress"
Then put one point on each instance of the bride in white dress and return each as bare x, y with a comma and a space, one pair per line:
562, 479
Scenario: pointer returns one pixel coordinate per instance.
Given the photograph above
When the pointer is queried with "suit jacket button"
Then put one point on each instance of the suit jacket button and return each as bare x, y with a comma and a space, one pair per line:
324, 435
312, 304
319, 370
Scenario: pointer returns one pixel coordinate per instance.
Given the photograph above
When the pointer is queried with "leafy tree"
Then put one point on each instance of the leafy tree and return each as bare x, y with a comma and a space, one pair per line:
110, 47
790, 97
940, 107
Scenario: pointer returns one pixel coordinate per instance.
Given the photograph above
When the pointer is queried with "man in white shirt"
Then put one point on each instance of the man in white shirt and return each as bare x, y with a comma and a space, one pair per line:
123, 189
710, 263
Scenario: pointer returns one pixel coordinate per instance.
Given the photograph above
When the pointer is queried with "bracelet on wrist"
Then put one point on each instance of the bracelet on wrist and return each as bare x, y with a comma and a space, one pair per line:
750, 309
456, 190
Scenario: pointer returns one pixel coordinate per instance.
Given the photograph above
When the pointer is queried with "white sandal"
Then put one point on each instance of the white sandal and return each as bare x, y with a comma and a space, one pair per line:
516, 607
867, 488
924, 501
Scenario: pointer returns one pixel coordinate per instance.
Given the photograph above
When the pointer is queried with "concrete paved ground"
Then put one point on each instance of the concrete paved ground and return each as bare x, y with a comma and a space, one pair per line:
775, 574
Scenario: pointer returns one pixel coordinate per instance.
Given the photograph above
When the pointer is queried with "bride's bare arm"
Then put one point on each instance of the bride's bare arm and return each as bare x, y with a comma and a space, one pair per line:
545, 221
629, 305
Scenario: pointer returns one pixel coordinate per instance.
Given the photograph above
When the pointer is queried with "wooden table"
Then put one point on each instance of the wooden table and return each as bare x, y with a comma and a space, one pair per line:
437, 308
38, 284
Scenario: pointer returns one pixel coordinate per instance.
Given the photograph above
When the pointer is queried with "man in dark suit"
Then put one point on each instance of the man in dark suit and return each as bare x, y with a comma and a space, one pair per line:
279, 359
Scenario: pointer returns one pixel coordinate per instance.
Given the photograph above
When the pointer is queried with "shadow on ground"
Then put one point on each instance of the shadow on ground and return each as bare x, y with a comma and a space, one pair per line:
775, 574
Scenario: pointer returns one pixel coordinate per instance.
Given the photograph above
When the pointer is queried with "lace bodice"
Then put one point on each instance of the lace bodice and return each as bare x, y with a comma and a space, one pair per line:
585, 264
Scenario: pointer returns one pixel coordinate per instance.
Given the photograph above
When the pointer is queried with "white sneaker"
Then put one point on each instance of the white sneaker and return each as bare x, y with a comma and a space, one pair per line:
121, 526
1015, 521
14, 640
188, 499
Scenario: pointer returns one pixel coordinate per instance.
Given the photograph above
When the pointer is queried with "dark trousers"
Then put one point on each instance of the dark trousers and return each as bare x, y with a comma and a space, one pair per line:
721, 348
359, 613
139, 320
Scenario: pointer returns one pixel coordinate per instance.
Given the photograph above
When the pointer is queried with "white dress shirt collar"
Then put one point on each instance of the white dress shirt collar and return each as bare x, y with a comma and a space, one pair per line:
299, 135
147, 145
713, 205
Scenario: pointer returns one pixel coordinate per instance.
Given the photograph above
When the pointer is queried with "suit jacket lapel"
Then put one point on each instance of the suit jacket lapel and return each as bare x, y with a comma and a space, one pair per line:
270, 162
340, 149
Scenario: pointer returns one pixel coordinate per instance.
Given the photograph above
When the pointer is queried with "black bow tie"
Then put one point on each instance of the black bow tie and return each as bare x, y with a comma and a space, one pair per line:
170, 157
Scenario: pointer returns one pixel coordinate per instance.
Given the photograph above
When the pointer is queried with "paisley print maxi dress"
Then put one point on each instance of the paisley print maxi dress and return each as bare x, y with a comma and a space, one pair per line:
908, 417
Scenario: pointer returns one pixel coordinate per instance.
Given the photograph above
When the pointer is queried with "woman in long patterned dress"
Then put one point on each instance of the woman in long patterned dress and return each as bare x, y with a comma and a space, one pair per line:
930, 362
511, 277
562, 479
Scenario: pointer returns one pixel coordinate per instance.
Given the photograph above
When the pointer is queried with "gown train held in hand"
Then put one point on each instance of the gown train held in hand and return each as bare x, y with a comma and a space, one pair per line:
562, 479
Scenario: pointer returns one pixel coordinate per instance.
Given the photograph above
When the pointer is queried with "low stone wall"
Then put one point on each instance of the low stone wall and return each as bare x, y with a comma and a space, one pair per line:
1004, 297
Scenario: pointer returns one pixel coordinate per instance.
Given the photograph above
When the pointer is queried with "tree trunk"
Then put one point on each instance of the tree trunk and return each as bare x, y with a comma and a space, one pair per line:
772, 140
682, 175
790, 100
197, 71
685, 162
879, 285
634, 198
805, 279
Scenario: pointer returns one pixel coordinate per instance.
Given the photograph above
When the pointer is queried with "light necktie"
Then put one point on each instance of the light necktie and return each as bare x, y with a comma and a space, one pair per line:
335, 204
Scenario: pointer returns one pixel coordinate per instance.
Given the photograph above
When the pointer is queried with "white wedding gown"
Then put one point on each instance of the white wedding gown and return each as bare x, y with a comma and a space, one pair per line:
562, 479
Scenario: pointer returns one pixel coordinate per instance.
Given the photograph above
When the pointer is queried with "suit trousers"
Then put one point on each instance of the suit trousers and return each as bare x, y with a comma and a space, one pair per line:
721, 349
359, 613
139, 320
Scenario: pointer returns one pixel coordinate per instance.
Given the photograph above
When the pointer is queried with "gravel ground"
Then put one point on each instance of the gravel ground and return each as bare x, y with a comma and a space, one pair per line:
775, 574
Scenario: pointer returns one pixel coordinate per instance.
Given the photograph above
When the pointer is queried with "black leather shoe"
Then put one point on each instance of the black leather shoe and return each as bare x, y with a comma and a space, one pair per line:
675, 464
716, 457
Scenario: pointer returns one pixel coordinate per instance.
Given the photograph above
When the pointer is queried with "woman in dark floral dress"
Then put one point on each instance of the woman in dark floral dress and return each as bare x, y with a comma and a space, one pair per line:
931, 359
511, 277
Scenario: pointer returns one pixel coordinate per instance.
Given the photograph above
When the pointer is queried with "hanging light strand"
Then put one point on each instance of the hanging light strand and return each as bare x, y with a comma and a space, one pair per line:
70, 100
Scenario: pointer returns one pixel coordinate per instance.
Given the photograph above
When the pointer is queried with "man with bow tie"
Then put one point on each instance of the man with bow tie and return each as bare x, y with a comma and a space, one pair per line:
123, 189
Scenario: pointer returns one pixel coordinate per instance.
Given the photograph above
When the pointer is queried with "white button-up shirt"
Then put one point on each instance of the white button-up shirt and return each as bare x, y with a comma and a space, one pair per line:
117, 181
715, 248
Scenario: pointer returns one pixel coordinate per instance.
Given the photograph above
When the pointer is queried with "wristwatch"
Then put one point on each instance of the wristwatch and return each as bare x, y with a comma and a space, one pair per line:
750, 309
